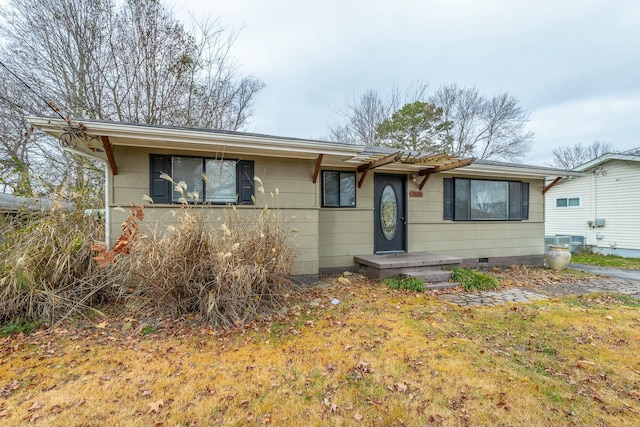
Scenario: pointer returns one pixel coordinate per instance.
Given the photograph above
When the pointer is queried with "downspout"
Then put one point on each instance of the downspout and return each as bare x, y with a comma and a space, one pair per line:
593, 202
107, 214
107, 210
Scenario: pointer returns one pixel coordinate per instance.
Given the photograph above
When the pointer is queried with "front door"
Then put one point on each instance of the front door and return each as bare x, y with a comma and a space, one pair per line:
390, 216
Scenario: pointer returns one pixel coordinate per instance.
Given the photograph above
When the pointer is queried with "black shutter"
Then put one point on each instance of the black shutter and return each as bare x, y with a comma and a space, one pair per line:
515, 200
244, 178
525, 200
160, 188
448, 198
462, 199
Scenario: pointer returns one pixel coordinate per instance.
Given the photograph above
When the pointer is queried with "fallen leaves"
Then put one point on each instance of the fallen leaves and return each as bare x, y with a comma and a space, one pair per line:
401, 387
155, 407
583, 363
361, 369
361, 362
102, 325
9, 388
344, 281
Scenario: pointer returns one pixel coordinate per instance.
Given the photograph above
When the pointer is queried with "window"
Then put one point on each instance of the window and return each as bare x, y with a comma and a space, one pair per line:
216, 181
565, 202
338, 189
485, 200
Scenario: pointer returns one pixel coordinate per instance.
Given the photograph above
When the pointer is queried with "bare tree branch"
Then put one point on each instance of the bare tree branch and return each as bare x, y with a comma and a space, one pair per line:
572, 156
127, 60
485, 128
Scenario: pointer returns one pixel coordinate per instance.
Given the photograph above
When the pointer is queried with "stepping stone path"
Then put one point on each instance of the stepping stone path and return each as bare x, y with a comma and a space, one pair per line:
528, 295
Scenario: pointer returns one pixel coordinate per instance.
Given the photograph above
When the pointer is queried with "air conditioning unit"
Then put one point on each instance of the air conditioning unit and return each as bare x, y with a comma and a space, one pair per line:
557, 241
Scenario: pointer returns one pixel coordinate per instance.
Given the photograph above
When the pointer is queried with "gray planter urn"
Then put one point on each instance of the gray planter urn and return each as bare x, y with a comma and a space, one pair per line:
557, 257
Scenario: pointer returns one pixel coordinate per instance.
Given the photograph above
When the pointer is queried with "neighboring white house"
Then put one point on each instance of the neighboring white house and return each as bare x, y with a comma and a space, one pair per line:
601, 208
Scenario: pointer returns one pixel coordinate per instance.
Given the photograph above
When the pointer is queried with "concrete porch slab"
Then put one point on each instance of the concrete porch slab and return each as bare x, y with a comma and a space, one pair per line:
406, 260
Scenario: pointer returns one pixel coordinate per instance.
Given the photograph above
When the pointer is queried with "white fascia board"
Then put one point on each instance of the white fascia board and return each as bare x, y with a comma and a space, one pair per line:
128, 134
606, 158
513, 171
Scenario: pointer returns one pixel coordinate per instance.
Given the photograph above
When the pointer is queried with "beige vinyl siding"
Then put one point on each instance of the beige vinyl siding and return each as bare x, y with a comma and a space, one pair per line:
347, 232
613, 194
331, 237
296, 198
429, 232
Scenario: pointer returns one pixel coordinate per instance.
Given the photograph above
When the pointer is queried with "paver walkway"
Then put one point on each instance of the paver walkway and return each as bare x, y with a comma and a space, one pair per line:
527, 295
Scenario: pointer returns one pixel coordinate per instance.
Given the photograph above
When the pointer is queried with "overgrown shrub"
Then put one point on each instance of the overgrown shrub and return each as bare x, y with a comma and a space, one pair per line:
228, 272
46, 266
473, 280
404, 283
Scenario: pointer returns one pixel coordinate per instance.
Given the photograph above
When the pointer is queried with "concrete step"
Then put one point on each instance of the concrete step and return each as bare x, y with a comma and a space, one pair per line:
414, 264
430, 275
404, 260
441, 285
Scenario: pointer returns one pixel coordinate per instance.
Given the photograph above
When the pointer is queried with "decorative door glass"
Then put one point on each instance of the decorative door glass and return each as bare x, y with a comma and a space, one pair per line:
389, 212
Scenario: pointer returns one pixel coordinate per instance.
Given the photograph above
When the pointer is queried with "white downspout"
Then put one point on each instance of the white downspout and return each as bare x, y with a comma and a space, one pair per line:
107, 214
593, 202
107, 210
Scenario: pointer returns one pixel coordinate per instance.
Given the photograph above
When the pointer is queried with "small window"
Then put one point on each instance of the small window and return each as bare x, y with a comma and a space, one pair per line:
338, 189
565, 202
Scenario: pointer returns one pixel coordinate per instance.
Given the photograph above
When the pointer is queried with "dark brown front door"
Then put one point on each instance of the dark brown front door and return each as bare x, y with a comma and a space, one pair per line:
390, 215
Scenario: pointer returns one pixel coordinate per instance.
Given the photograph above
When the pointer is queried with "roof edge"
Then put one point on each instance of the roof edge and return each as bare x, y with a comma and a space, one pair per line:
520, 169
605, 158
176, 133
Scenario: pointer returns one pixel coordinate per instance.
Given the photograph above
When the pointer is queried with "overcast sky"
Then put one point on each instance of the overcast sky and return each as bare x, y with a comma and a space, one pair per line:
574, 65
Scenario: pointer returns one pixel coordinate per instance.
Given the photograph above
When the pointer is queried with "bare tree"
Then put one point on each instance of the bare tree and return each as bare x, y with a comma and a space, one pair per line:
572, 156
30, 162
363, 115
486, 128
15, 153
128, 61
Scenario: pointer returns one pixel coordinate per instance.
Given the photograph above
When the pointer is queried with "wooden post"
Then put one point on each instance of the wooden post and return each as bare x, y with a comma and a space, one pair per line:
107, 150
317, 170
424, 181
548, 187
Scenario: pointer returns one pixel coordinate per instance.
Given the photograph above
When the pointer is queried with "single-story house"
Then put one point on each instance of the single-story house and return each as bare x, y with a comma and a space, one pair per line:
600, 209
348, 200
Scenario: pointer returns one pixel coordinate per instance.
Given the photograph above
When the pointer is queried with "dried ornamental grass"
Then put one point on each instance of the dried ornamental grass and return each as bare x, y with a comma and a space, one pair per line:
228, 273
47, 267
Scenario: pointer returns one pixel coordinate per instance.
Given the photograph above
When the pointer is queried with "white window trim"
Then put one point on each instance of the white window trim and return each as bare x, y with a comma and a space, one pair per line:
567, 199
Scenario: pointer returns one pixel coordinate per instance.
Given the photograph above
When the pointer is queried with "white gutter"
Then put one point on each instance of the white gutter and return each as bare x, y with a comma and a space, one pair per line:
520, 170
606, 158
155, 136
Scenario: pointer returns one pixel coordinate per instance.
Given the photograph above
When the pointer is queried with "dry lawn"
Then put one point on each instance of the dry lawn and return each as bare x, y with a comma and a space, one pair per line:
378, 357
